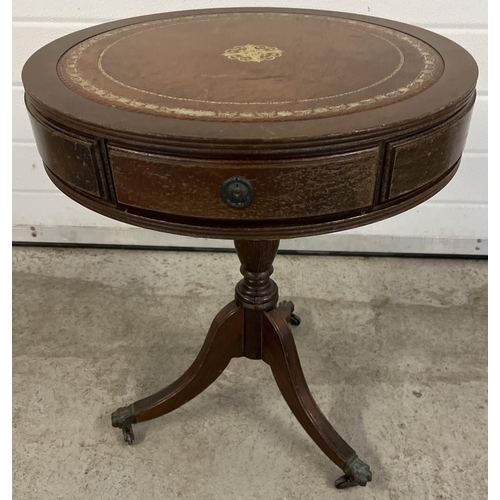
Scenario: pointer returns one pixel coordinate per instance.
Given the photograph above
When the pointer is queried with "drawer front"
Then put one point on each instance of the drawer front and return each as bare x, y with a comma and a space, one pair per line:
75, 160
328, 185
423, 159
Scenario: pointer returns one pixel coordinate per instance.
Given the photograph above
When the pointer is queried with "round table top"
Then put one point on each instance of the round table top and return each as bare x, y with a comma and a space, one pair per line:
298, 67
248, 84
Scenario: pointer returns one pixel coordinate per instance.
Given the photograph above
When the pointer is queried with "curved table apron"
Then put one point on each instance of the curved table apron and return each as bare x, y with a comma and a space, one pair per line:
252, 125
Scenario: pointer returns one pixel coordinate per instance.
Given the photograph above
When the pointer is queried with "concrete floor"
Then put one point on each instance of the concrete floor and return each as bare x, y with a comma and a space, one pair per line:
394, 350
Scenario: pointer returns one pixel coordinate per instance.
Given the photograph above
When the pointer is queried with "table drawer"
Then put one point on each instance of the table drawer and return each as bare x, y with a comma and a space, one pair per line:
76, 160
282, 190
420, 160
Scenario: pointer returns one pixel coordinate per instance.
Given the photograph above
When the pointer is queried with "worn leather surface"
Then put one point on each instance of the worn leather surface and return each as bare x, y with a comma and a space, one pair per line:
250, 66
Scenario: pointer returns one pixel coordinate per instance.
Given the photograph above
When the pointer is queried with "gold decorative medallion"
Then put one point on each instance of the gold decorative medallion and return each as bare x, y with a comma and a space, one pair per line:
253, 53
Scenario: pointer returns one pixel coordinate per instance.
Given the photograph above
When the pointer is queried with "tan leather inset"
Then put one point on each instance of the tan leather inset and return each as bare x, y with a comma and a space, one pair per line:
250, 66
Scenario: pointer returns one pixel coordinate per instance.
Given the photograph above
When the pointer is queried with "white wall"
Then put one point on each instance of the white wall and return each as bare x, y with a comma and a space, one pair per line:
454, 221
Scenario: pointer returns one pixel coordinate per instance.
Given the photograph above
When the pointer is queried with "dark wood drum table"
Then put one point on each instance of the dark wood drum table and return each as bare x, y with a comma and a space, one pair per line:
251, 125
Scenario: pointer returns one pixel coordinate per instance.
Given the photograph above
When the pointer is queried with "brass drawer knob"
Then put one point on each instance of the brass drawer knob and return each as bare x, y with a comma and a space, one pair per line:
237, 192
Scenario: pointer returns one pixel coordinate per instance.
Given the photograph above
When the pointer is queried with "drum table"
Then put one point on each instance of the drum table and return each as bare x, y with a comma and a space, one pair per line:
251, 125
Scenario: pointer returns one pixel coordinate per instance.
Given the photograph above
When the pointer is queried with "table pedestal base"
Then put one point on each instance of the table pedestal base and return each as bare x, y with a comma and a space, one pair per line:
253, 326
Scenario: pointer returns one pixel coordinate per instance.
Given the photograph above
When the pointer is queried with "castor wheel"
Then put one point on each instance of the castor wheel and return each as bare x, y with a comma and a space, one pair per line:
357, 473
343, 482
295, 320
128, 435
123, 418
